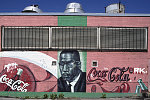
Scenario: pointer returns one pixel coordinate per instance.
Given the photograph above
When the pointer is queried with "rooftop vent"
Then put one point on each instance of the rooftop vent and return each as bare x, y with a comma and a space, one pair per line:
74, 8
32, 9
115, 8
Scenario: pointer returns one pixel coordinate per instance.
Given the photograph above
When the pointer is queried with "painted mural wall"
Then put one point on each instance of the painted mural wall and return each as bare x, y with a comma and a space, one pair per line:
56, 71
28, 72
73, 71
117, 72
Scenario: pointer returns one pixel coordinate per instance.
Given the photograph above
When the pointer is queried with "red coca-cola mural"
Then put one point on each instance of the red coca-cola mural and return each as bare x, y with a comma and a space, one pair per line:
120, 76
116, 73
101, 77
28, 72
116, 80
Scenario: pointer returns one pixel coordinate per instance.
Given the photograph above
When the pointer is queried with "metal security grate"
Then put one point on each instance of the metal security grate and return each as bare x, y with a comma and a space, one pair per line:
25, 38
74, 37
123, 38
80, 38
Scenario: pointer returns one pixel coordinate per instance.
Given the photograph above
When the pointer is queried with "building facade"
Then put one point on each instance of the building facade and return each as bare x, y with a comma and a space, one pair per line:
113, 51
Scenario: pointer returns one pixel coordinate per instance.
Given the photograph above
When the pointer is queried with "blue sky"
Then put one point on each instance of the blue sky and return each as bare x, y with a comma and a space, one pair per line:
89, 6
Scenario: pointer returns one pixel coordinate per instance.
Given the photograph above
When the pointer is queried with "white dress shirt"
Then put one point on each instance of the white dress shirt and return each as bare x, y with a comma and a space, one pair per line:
73, 83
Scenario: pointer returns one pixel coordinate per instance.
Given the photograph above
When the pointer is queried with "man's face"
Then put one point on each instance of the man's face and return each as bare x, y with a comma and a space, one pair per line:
68, 67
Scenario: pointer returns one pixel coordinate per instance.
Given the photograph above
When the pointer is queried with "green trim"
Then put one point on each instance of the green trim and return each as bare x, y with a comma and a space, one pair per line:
72, 20
83, 60
68, 94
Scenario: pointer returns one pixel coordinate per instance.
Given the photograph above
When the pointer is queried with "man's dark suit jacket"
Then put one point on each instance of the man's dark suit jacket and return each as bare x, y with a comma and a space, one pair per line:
80, 86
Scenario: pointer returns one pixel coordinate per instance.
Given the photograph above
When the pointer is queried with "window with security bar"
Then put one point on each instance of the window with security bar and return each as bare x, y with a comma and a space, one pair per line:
123, 38
25, 38
74, 38
80, 38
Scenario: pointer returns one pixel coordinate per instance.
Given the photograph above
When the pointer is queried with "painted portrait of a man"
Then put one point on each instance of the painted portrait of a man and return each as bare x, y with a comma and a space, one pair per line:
72, 79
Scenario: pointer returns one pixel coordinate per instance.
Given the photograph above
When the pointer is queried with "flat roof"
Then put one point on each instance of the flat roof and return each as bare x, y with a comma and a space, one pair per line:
72, 14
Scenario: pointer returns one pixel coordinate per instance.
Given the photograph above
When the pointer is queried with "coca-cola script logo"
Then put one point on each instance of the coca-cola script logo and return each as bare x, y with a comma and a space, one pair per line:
115, 74
16, 77
94, 75
14, 85
100, 77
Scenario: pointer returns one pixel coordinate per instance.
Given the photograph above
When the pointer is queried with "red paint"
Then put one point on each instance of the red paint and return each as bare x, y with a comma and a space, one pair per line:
94, 75
26, 76
123, 88
109, 60
39, 79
